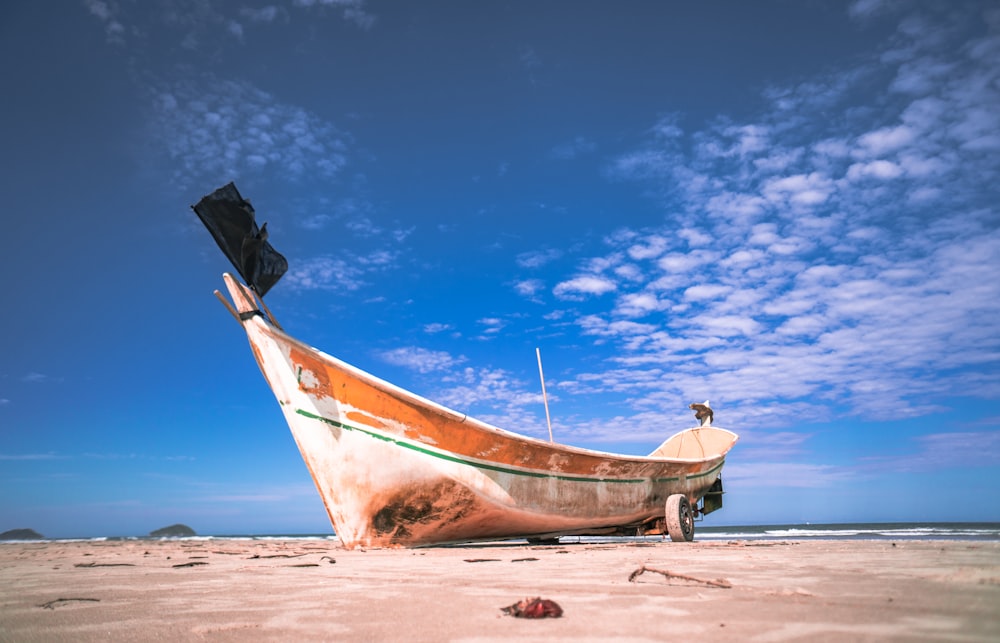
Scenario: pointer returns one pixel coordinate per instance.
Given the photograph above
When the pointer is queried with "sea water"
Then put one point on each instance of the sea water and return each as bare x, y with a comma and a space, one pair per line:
840, 531
856, 531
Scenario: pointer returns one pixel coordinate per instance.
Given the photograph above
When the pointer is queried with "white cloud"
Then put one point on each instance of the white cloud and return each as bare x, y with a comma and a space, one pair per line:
695, 237
578, 287
512, 401
799, 189
724, 326
735, 141
32, 456
492, 325
193, 26
705, 292
335, 273
778, 161
742, 257
215, 130
920, 77
219, 130
880, 169
419, 359
235, 28
596, 325
353, 10
325, 272
538, 258
832, 148
649, 248
682, 263
867, 8
810, 326
648, 163
114, 30
638, 304
629, 272
98, 8
764, 234
884, 140
978, 129
529, 287
917, 166
925, 114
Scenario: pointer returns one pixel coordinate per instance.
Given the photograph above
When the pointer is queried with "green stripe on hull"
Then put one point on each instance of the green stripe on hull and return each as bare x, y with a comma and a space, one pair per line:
493, 467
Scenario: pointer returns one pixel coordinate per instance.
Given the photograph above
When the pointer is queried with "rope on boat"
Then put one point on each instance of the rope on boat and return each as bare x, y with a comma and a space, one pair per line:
270, 317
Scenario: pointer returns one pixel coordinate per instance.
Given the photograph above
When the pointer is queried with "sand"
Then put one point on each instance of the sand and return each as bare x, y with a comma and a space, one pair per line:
312, 590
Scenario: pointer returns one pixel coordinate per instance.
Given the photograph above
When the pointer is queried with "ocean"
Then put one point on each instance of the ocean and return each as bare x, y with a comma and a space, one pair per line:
989, 531
856, 531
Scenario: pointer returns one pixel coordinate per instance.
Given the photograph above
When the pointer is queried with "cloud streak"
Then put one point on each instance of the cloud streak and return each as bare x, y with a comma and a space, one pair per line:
419, 359
193, 24
217, 130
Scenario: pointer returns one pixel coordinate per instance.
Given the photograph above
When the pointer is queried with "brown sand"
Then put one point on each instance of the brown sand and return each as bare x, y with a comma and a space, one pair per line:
312, 590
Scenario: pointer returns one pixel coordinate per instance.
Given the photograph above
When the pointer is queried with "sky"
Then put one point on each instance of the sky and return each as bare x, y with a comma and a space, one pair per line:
787, 208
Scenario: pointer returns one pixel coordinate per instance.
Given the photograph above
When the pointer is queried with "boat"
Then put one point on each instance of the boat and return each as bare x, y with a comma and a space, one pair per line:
397, 470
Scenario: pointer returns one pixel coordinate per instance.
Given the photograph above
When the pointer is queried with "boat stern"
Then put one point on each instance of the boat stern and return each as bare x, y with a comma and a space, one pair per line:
699, 443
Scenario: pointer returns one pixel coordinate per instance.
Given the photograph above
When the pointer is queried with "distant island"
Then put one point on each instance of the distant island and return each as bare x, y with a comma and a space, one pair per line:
173, 531
21, 534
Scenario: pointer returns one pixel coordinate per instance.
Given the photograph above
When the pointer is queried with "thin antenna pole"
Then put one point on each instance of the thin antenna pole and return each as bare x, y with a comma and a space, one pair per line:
545, 397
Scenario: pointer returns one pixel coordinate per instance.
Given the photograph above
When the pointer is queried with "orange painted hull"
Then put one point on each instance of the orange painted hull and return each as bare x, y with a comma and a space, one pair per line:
394, 469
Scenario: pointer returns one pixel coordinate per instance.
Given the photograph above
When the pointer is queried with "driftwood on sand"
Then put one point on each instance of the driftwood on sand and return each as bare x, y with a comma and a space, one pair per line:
51, 605
720, 582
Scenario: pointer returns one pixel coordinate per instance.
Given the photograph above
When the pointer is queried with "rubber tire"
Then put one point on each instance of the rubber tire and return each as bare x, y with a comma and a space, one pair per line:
680, 519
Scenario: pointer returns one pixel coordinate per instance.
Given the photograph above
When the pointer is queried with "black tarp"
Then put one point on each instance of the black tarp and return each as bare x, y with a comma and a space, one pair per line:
231, 221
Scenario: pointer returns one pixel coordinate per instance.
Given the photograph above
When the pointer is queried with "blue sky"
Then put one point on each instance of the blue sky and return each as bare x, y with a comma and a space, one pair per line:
787, 208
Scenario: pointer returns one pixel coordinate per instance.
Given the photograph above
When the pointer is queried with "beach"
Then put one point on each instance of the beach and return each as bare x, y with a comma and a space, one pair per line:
314, 590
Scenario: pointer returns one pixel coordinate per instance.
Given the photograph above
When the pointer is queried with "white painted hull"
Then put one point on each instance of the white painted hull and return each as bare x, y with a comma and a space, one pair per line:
395, 469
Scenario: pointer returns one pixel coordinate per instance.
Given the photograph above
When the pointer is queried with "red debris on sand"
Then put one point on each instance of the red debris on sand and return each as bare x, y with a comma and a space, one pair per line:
534, 608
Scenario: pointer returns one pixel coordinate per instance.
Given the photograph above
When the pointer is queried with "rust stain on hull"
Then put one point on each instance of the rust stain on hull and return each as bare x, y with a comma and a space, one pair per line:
420, 508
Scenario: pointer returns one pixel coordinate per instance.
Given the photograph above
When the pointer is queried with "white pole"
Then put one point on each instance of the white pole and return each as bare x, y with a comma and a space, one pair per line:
545, 397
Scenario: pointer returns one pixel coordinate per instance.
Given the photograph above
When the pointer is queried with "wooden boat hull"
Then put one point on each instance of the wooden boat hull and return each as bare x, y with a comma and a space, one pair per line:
394, 469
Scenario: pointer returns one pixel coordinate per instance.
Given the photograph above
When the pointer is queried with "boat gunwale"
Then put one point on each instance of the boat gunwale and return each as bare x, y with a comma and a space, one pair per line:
458, 458
267, 327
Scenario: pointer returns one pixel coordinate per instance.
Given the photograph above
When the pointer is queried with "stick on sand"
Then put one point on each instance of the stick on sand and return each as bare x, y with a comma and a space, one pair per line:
720, 582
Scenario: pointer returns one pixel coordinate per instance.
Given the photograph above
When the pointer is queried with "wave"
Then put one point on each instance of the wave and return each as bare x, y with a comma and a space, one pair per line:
900, 531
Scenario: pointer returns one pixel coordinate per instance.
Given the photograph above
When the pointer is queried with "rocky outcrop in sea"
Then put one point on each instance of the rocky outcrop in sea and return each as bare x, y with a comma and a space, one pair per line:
21, 534
173, 531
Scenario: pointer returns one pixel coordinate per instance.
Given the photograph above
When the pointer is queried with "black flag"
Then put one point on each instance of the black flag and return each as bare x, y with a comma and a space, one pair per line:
230, 219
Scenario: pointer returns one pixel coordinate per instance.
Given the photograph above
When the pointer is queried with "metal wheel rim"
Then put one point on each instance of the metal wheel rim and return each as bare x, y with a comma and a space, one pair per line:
687, 519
